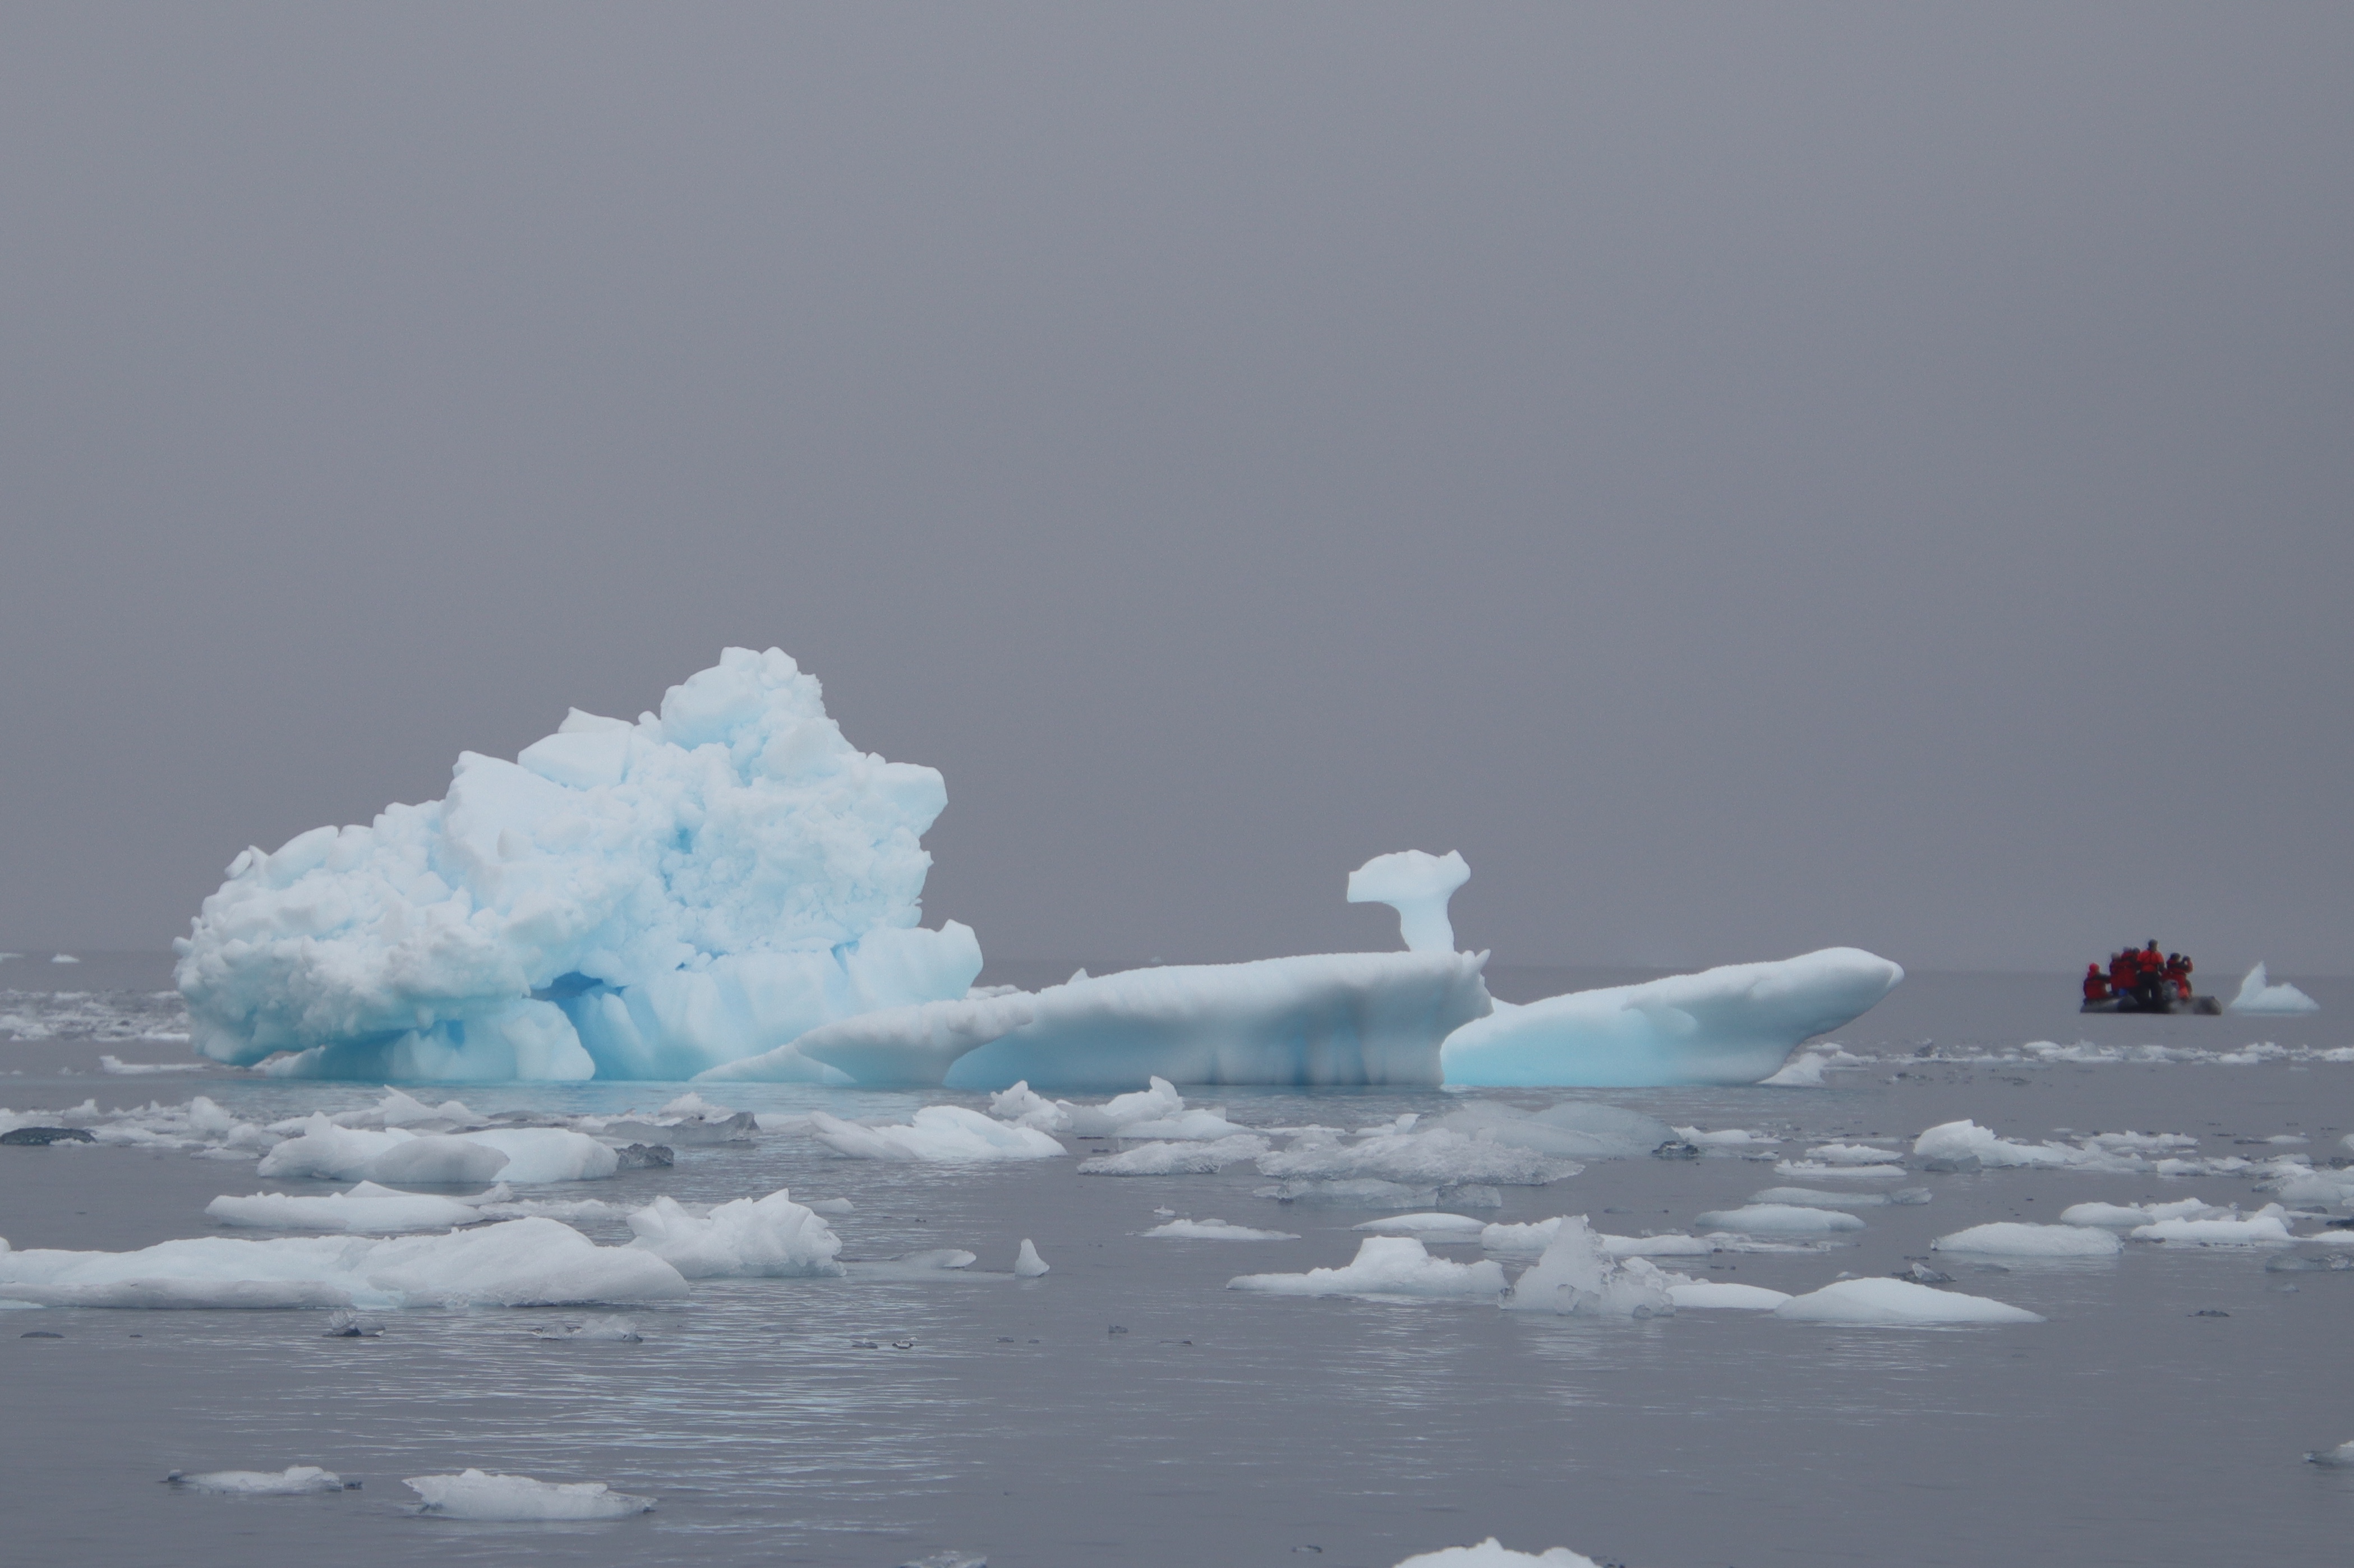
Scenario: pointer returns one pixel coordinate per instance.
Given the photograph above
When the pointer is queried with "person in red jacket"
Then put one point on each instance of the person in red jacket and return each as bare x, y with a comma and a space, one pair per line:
2096, 984
2178, 975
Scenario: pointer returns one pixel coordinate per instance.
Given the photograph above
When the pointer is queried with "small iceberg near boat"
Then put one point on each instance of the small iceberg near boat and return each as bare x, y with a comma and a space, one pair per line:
2259, 993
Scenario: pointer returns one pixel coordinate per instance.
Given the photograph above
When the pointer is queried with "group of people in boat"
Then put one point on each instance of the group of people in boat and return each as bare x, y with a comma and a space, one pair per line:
2140, 975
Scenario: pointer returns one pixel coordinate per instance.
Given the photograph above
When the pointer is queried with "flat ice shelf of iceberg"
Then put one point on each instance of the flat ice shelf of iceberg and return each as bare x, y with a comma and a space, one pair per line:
624, 900
1735, 1024
1325, 1019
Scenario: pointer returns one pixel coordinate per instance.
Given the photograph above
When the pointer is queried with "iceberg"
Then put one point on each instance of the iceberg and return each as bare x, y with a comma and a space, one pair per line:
515, 1263
1897, 1303
472, 1494
770, 1237
1028, 1263
366, 1209
1317, 1020
939, 1133
1736, 1024
1779, 1219
1215, 1230
1493, 1554
2259, 994
623, 900
1384, 1265
1416, 885
2013, 1238
521, 1154
1576, 1276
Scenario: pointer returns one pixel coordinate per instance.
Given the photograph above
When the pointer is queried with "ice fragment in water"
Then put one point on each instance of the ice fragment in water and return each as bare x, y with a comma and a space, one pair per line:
950, 1134
1028, 1263
295, 1480
1574, 1276
1491, 1553
1384, 1265
2258, 994
1778, 1219
2341, 1455
1176, 1158
770, 1237
2008, 1238
1897, 1303
1215, 1230
472, 1494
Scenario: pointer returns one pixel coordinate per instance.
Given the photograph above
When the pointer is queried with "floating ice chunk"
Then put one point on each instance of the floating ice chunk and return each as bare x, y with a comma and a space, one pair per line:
1670, 1246
295, 1480
1711, 1293
539, 1154
1434, 1226
366, 1208
333, 1152
1028, 1263
117, 1068
1575, 1129
1959, 1142
1202, 1124
2268, 1227
1384, 1265
2341, 1455
1816, 1170
472, 1494
527, 1154
1778, 1219
1521, 1240
1492, 1553
1417, 885
2259, 994
1437, 1157
2128, 1215
641, 900
64, 958
1176, 1158
1897, 1302
2008, 1238
1025, 1106
1574, 1276
1157, 1101
770, 1237
517, 1263
1215, 1230
1731, 1025
1324, 1019
1850, 1154
1730, 1138
948, 1133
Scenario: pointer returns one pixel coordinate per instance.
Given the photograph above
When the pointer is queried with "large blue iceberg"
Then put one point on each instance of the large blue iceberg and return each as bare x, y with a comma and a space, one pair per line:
623, 900
729, 889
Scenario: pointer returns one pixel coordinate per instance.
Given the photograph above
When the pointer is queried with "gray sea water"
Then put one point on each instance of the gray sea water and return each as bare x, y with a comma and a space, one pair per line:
2135, 1426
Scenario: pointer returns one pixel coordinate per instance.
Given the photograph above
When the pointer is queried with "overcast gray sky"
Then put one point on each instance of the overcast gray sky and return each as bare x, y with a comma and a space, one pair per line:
1748, 476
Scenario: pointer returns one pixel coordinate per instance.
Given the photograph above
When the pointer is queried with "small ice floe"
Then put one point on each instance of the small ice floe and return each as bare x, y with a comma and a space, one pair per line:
2259, 994
366, 1209
2008, 1238
1709, 1294
1532, 1239
1728, 1139
2124, 1216
1177, 1159
515, 1263
1429, 1225
945, 1134
522, 1155
1028, 1263
1965, 1145
602, 1330
1851, 1154
64, 958
1492, 1553
770, 1237
2342, 1457
950, 1558
1215, 1230
1896, 1303
474, 1494
1575, 1276
1440, 1157
1384, 1265
1779, 1219
295, 1480
1816, 1170
117, 1068
2268, 1227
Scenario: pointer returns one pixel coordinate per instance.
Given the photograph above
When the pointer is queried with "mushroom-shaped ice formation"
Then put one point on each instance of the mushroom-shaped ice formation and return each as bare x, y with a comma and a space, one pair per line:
1416, 885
